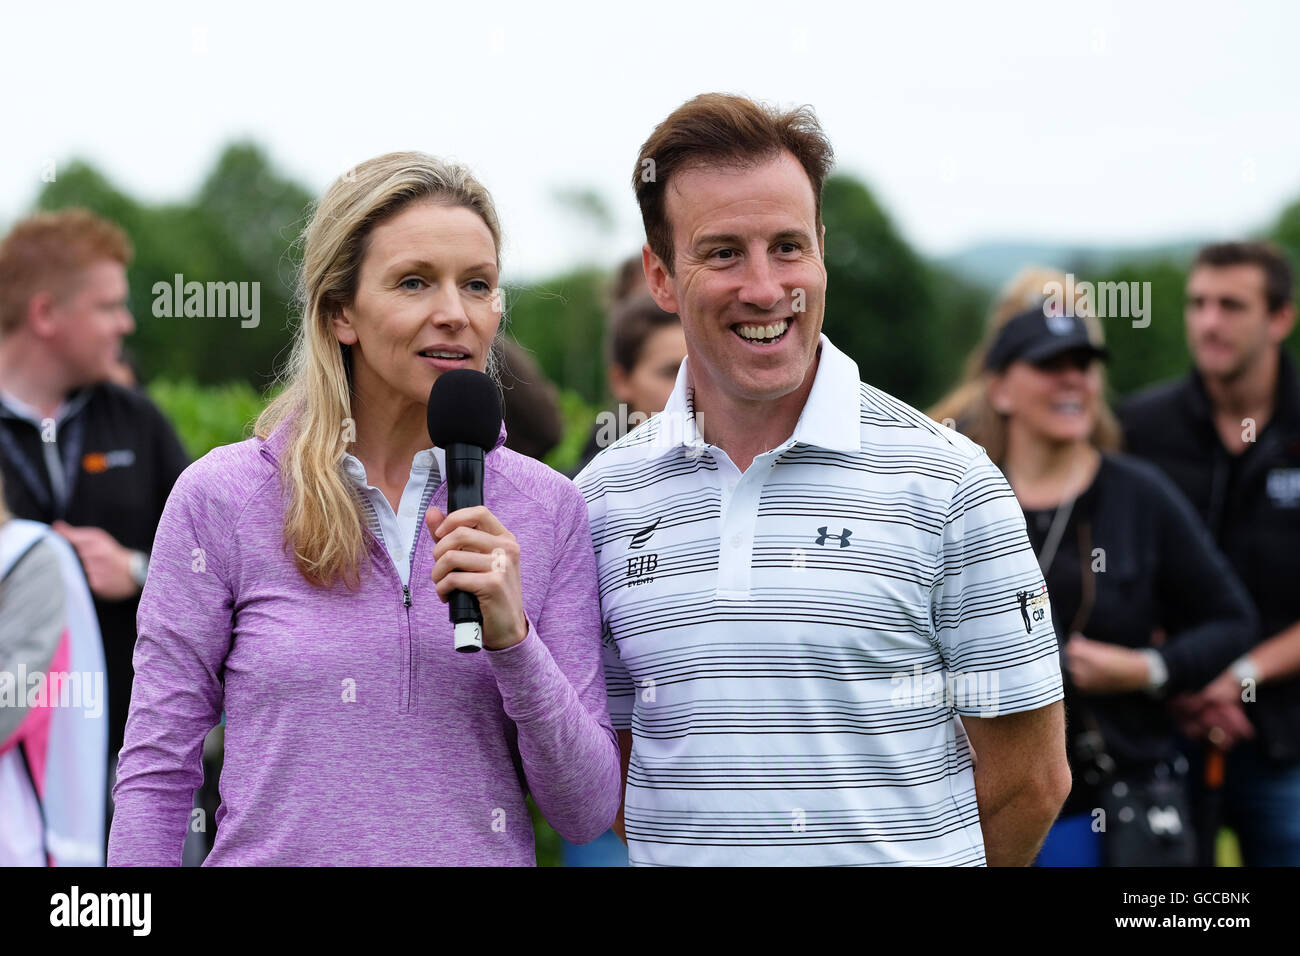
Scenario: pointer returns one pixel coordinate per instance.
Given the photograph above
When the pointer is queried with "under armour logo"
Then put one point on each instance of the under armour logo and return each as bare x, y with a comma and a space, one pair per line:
843, 538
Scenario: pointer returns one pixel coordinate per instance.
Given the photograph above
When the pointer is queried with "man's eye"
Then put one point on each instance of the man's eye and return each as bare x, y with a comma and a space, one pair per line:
478, 285
407, 283
725, 254
788, 247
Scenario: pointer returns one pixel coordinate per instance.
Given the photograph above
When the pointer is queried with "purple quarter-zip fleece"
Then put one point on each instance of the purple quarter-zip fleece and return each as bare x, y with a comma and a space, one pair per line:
354, 733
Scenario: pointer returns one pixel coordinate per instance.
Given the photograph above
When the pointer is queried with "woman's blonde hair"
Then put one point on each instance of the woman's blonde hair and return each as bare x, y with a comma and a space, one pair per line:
967, 407
323, 520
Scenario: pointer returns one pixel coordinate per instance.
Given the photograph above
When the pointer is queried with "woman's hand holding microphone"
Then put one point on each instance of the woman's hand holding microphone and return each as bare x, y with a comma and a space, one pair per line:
473, 552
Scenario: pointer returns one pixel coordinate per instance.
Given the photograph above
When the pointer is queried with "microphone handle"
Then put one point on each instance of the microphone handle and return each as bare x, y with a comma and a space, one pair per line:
465, 490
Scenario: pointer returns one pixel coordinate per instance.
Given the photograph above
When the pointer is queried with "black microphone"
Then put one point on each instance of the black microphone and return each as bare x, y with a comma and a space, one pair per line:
464, 419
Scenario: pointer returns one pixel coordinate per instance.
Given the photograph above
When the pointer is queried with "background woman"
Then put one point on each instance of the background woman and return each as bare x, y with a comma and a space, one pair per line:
1124, 558
644, 346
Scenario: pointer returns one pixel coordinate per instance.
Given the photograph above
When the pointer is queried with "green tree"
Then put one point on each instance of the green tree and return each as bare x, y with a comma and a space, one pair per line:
562, 322
1142, 356
907, 324
239, 228
1286, 232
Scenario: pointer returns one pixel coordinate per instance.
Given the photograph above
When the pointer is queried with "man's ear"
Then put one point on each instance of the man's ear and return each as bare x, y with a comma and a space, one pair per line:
617, 382
344, 330
821, 242
1281, 323
997, 395
40, 314
658, 281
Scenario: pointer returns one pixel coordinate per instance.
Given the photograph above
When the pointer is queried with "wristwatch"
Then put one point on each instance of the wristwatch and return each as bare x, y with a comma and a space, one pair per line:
1244, 669
1157, 670
139, 568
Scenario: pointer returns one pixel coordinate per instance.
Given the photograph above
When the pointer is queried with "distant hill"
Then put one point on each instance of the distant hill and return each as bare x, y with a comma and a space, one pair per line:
992, 263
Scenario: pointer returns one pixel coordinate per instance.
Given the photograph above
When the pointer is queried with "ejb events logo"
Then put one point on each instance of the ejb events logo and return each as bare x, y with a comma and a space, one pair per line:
641, 567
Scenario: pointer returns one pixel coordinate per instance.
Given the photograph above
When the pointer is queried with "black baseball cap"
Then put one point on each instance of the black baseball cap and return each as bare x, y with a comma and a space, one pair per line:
1036, 336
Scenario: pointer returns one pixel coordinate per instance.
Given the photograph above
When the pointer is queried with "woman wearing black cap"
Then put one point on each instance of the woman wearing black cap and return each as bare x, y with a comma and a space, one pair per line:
1124, 558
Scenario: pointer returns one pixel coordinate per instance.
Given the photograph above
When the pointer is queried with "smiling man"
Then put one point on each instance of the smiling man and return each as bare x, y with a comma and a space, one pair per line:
811, 594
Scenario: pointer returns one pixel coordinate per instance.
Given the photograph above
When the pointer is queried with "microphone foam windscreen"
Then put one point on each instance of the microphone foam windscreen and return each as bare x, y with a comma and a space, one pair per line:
465, 407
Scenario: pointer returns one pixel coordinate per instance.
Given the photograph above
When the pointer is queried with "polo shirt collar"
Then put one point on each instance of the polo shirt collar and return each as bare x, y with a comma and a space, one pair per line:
424, 462
830, 416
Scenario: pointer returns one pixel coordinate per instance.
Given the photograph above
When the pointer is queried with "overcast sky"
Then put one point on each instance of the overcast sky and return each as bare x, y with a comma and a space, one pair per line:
1080, 122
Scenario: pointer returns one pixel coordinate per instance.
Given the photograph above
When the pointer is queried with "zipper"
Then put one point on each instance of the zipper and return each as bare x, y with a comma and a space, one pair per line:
408, 695
406, 676
407, 683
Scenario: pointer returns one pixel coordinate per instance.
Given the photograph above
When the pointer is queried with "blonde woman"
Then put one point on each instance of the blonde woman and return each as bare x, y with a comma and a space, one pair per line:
1124, 558
293, 587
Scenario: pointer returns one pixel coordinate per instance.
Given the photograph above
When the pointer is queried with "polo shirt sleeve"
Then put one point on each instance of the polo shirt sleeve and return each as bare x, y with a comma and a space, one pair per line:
989, 605
619, 687
620, 691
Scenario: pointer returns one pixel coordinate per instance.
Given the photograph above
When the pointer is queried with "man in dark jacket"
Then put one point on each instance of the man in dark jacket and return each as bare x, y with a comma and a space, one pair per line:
1229, 436
93, 459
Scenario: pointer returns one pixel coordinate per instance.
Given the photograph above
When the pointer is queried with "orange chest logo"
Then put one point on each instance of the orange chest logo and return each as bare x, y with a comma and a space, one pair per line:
96, 462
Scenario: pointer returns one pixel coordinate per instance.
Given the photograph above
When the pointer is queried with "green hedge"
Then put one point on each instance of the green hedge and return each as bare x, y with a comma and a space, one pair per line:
206, 416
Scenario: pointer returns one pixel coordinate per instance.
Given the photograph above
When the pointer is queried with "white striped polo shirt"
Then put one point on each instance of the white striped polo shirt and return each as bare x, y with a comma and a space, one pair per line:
793, 647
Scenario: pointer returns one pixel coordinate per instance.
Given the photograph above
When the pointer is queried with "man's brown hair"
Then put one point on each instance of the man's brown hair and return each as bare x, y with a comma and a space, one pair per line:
632, 323
46, 251
628, 279
720, 129
1265, 255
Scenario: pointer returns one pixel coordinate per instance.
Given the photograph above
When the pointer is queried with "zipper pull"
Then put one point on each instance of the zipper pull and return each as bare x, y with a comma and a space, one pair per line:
406, 595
